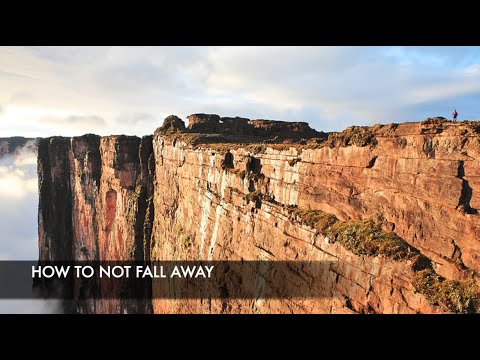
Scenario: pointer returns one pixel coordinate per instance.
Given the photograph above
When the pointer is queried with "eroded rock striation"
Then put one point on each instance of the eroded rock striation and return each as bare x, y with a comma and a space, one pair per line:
392, 208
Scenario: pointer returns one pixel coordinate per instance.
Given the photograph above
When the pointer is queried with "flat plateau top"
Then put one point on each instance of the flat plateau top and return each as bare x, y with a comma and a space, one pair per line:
354, 135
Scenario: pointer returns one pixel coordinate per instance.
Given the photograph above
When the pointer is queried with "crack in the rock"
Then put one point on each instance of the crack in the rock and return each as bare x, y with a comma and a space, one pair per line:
466, 193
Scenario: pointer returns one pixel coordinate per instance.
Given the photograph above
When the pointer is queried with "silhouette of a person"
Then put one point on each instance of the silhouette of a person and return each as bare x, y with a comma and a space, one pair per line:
455, 114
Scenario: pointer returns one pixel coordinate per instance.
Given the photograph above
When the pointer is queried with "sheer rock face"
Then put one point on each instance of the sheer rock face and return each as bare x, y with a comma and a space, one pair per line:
94, 200
123, 197
101, 186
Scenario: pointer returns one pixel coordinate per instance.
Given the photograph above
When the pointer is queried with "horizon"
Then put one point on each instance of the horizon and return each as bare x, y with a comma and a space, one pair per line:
186, 124
62, 91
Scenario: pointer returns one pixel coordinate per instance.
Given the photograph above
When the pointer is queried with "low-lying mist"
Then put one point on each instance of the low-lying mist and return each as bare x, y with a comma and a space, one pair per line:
18, 220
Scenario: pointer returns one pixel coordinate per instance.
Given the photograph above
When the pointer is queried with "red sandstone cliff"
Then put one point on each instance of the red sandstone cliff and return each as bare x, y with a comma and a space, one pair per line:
94, 196
219, 196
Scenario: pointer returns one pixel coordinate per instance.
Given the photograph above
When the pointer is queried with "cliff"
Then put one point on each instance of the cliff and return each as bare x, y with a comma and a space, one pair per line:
94, 196
392, 209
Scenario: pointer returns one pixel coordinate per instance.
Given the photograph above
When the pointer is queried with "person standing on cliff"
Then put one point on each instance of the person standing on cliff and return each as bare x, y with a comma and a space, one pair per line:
455, 114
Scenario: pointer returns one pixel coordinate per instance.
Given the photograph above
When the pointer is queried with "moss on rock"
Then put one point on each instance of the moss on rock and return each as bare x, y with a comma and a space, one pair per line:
459, 297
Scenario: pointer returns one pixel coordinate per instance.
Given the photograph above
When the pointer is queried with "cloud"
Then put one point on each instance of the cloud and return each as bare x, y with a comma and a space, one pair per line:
473, 69
331, 87
18, 205
13, 185
30, 306
18, 222
135, 118
344, 86
21, 98
137, 78
76, 123
74, 120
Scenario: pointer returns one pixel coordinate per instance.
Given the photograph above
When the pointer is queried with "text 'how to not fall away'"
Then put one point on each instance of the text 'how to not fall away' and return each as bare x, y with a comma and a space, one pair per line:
123, 271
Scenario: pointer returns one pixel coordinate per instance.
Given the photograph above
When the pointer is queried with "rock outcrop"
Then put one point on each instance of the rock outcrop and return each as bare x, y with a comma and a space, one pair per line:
171, 125
184, 195
267, 129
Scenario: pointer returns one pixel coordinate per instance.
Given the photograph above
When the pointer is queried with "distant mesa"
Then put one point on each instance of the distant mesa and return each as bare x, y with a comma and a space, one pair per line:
214, 124
238, 126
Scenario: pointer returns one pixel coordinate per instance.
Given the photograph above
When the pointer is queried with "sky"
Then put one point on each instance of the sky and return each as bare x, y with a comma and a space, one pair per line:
69, 91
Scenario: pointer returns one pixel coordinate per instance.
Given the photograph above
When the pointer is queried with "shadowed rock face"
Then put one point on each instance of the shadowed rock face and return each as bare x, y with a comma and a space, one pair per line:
95, 194
160, 198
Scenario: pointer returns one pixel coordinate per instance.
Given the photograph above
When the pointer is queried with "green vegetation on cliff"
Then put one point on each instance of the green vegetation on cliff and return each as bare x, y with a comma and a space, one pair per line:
360, 237
460, 297
368, 238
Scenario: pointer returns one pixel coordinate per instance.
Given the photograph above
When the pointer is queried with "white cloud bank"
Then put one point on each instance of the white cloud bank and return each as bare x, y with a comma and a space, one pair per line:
18, 177
18, 222
18, 205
